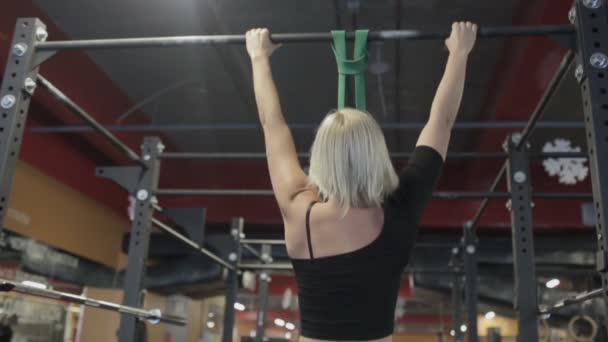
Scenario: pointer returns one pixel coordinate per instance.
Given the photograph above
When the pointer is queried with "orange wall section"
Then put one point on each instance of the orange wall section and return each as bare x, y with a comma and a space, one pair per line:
44, 209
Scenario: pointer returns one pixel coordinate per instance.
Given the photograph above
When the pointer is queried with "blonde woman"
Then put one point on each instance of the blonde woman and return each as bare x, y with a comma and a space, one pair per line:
350, 225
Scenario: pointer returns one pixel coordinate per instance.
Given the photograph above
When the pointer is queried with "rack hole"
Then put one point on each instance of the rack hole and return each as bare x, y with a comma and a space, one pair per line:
13, 75
4, 115
16, 61
2, 199
597, 44
593, 15
10, 88
25, 23
524, 250
600, 74
594, 30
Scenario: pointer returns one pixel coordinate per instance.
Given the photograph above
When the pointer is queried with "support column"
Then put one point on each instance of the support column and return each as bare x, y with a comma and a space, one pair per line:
471, 280
147, 183
18, 86
456, 267
591, 21
232, 281
524, 268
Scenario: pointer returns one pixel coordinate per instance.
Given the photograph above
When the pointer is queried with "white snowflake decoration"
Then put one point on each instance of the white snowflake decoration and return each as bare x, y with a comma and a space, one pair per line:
569, 170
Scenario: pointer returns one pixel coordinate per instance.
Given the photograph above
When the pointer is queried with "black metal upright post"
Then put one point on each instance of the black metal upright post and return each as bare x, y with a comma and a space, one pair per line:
471, 279
524, 269
232, 281
18, 86
140, 234
264, 281
456, 267
591, 20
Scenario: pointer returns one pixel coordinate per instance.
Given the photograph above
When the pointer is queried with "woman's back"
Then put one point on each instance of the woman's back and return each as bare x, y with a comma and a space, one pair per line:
348, 266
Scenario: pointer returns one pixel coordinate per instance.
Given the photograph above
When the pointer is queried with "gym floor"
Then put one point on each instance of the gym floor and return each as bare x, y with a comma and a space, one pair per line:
70, 229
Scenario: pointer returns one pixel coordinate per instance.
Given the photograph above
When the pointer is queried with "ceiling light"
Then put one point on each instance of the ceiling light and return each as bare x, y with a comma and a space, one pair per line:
452, 333
490, 315
239, 306
290, 326
463, 328
210, 324
279, 322
553, 283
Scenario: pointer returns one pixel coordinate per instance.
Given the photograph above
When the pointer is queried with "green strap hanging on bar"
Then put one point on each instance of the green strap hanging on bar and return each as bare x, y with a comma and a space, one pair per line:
355, 67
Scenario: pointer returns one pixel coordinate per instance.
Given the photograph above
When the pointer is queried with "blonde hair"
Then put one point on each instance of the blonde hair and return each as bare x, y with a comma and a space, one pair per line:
349, 160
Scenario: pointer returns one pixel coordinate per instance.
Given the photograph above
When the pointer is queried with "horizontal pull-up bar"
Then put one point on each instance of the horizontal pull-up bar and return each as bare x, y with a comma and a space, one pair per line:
437, 194
192, 244
153, 316
570, 301
283, 38
465, 125
394, 155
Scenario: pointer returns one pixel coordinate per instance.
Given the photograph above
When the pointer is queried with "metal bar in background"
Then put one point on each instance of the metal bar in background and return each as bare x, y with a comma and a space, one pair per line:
471, 279
297, 126
524, 266
139, 242
153, 316
253, 251
592, 60
76, 109
191, 243
438, 194
547, 95
15, 95
284, 38
287, 266
579, 298
232, 281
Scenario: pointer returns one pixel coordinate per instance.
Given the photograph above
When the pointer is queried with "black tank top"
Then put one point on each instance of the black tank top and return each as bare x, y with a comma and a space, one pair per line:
352, 296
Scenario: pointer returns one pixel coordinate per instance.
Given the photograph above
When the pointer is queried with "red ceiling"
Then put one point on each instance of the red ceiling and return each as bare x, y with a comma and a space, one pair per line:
523, 74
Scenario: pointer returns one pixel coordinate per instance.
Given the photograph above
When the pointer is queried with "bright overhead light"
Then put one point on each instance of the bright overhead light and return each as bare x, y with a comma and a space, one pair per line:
463, 328
290, 326
288, 335
279, 322
452, 332
490, 315
210, 324
34, 284
553, 283
239, 306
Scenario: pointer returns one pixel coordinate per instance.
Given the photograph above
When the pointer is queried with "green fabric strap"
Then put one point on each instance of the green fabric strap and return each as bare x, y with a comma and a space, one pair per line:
355, 67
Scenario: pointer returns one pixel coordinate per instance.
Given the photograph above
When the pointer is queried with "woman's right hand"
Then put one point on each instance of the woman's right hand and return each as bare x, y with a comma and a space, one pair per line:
462, 39
259, 43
